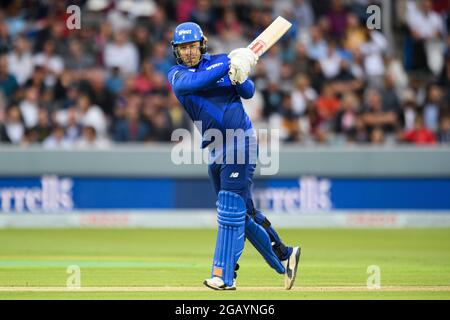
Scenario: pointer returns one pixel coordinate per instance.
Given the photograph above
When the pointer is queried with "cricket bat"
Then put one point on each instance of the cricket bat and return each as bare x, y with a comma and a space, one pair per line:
268, 37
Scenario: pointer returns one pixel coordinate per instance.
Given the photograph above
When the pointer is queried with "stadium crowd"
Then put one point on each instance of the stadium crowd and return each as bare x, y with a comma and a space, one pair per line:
330, 81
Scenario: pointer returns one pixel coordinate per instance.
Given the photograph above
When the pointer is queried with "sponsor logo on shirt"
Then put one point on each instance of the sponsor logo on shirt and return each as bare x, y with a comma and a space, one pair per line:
214, 65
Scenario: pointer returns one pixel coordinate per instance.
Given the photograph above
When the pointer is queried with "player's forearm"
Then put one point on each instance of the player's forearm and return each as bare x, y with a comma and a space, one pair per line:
184, 81
246, 90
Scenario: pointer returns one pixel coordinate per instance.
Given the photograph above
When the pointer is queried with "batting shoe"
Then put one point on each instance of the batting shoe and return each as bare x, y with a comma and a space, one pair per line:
217, 283
291, 265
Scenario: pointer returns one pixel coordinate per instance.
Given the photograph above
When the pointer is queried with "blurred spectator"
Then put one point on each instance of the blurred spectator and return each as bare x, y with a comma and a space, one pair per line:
373, 51
302, 94
78, 58
180, 119
20, 61
290, 122
272, 64
303, 13
272, 99
302, 62
121, 53
144, 82
346, 117
156, 114
65, 89
432, 108
56, 139
89, 139
331, 63
38, 79
91, 114
143, 43
72, 125
8, 83
43, 127
51, 61
337, 18
5, 39
347, 79
327, 103
444, 78
161, 127
317, 46
420, 135
114, 82
29, 107
377, 136
395, 69
159, 59
389, 96
119, 18
203, 15
377, 115
358, 134
409, 112
94, 84
426, 29
356, 34
443, 134
13, 129
229, 22
132, 127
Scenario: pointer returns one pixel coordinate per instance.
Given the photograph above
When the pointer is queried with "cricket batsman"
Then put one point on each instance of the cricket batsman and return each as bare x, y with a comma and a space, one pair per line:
210, 88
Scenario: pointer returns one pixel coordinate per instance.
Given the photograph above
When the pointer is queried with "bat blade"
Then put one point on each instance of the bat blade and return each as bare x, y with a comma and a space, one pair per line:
270, 36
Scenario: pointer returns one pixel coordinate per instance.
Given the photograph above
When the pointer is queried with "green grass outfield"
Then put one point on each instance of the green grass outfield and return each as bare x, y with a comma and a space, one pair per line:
171, 264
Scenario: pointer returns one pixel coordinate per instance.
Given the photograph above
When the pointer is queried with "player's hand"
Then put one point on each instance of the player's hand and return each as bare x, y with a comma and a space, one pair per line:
237, 75
244, 54
242, 60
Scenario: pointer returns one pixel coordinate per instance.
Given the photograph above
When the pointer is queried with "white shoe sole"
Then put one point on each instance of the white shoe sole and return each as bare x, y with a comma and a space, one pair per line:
291, 268
215, 286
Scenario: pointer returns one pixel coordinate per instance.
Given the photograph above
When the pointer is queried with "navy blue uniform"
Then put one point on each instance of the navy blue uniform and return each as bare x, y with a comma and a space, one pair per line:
207, 95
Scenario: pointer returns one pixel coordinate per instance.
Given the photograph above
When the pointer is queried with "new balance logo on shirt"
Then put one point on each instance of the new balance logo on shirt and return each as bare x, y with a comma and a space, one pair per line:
234, 175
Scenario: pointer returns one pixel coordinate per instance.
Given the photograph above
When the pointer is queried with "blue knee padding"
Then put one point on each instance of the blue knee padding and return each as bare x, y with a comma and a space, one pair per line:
260, 239
231, 211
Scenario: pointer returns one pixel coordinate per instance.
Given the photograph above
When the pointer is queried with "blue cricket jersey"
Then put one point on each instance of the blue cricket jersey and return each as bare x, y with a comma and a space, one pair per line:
207, 95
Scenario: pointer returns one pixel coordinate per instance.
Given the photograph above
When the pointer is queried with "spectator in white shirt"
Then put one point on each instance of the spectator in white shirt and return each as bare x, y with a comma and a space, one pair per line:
331, 64
302, 94
51, 61
373, 52
317, 46
122, 53
20, 61
29, 107
91, 115
56, 140
89, 140
427, 31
